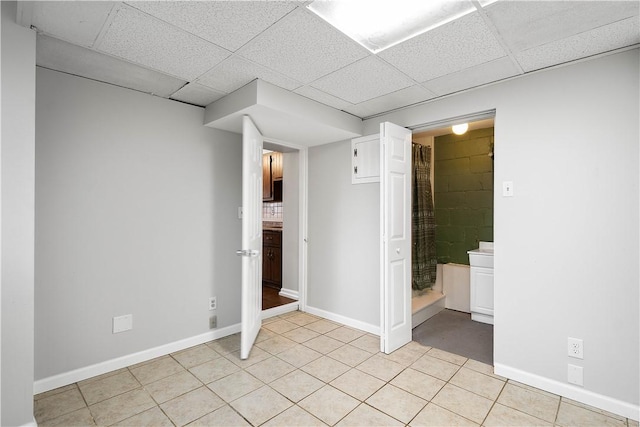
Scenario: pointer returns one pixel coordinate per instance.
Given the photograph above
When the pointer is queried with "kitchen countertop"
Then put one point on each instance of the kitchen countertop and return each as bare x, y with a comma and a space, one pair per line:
272, 225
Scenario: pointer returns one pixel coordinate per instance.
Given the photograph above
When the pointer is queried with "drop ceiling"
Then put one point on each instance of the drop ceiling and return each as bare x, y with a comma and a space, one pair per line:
199, 51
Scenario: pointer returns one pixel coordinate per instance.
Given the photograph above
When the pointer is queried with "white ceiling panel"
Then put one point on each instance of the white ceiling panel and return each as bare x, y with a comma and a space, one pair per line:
229, 24
526, 24
599, 40
235, 72
391, 101
303, 47
62, 56
363, 80
471, 77
460, 44
322, 97
223, 46
76, 22
196, 94
139, 38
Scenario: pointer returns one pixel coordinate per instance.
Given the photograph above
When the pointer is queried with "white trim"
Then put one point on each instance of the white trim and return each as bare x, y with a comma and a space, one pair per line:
281, 309
303, 221
32, 423
288, 293
80, 374
353, 323
624, 409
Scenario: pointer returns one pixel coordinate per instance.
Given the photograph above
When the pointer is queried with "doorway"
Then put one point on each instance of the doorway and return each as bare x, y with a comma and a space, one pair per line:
462, 185
282, 243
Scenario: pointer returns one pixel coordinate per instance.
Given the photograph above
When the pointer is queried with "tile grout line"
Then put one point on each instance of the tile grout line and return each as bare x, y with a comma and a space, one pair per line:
226, 348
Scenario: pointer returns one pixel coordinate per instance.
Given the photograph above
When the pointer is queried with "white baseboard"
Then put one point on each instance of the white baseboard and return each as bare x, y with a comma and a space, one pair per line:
357, 324
32, 423
570, 391
288, 293
281, 309
80, 374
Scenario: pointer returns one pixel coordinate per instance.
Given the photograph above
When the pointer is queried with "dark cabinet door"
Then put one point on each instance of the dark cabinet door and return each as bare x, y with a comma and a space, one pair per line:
272, 258
276, 165
267, 178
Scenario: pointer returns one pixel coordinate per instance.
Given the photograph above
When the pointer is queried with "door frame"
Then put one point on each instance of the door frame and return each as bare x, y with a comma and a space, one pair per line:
303, 186
435, 124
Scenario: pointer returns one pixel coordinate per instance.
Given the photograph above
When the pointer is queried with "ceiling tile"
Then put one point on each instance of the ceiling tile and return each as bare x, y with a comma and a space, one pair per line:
471, 77
609, 37
460, 44
303, 47
366, 79
322, 97
235, 72
526, 24
196, 94
401, 98
229, 24
76, 22
139, 38
68, 58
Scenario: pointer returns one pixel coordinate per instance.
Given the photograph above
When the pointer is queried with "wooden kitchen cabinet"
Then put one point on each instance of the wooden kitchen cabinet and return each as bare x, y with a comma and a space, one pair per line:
276, 165
271, 176
272, 258
267, 180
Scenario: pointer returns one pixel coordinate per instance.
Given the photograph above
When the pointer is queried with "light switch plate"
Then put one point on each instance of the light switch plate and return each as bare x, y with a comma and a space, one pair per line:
507, 188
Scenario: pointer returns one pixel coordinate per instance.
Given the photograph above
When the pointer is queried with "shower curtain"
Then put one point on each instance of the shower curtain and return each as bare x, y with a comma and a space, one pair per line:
423, 223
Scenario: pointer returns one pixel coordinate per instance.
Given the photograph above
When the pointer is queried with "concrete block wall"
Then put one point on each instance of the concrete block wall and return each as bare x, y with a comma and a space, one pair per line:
463, 193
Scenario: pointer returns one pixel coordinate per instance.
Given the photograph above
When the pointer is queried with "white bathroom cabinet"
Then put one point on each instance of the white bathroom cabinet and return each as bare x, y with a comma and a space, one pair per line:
481, 283
482, 294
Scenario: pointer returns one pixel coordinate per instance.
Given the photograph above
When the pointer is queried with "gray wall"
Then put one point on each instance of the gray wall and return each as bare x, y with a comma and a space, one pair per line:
16, 214
344, 238
567, 247
136, 214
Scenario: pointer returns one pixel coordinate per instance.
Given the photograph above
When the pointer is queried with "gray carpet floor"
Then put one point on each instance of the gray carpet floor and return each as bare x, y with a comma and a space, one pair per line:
455, 332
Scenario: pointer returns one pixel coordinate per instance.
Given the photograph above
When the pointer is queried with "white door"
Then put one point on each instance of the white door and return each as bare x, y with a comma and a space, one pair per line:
251, 251
395, 224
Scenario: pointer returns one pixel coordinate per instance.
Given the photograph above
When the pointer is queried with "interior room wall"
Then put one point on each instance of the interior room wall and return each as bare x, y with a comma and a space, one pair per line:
343, 277
17, 168
136, 214
567, 243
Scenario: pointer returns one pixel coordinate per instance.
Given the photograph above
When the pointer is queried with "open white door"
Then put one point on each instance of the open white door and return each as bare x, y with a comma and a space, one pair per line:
395, 224
251, 251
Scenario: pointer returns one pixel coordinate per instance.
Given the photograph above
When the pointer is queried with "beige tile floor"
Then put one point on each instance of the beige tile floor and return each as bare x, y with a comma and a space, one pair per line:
307, 371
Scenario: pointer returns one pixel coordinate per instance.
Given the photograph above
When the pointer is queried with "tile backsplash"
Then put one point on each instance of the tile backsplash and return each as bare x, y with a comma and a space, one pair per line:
272, 211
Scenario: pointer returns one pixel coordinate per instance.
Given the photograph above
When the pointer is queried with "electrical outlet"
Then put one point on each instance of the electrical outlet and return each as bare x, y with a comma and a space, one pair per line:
213, 322
575, 375
575, 348
213, 304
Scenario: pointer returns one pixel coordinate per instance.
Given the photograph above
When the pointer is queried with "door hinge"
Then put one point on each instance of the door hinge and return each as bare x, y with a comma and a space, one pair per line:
355, 152
355, 170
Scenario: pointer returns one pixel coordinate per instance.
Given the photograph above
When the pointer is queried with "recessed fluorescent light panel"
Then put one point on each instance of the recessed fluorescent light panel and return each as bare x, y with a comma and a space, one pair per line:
380, 24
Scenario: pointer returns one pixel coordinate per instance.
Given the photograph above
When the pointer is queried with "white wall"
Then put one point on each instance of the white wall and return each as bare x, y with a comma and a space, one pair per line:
17, 213
290, 232
567, 248
136, 213
343, 278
